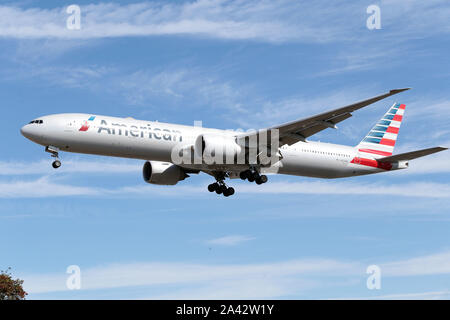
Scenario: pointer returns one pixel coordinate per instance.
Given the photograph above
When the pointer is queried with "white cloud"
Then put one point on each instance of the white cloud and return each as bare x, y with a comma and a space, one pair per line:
272, 21
231, 240
433, 264
269, 113
241, 281
90, 77
43, 167
238, 276
42, 188
261, 20
412, 189
180, 87
34, 53
187, 86
428, 107
260, 288
47, 187
365, 56
422, 15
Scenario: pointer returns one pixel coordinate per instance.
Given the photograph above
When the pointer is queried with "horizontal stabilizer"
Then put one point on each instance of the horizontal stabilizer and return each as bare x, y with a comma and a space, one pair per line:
412, 155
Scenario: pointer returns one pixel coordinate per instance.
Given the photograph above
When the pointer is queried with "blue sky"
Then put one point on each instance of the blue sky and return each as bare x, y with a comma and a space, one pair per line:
230, 64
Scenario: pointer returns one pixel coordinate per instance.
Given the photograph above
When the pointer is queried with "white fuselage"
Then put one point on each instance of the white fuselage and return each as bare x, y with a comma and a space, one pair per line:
148, 140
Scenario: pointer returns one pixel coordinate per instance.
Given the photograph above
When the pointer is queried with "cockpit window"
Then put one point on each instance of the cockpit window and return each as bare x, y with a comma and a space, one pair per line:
37, 122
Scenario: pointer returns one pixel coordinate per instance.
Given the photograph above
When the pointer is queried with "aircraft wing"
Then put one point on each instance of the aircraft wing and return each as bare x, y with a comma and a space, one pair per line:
299, 130
411, 155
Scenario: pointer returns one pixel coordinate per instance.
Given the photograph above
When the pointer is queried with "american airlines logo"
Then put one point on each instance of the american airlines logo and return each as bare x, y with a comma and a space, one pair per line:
148, 131
86, 125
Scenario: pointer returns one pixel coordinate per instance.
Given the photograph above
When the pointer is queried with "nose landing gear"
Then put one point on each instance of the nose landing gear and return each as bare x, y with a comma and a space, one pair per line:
56, 164
54, 152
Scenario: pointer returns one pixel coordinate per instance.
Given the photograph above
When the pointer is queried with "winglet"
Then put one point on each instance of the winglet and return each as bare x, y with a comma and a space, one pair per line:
395, 91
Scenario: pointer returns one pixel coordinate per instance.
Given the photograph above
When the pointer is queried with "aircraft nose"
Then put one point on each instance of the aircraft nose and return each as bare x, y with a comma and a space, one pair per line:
30, 132
25, 131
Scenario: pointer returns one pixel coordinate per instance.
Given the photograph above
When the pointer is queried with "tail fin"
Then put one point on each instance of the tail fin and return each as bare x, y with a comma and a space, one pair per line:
380, 141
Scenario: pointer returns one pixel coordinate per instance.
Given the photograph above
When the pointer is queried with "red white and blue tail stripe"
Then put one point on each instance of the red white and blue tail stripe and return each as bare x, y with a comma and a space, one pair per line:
380, 141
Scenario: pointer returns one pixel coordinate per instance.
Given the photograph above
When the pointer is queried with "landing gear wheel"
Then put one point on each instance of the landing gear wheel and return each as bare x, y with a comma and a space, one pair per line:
264, 178
56, 164
228, 192
213, 187
223, 189
219, 189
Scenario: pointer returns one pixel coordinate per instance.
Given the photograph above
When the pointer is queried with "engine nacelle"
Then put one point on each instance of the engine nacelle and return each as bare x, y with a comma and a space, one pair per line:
163, 173
217, 149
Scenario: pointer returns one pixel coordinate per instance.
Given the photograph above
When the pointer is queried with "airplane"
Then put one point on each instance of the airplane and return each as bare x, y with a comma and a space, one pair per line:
229, 154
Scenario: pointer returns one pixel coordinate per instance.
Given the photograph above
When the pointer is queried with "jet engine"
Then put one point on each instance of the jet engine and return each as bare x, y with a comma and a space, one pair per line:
216, 149
163, 173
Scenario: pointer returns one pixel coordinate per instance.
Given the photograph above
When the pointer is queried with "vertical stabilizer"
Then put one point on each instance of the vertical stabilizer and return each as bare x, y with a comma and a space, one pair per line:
380, 141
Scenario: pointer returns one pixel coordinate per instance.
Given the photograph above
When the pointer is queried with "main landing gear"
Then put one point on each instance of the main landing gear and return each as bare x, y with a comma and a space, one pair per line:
253, 176
54, 152
221, 188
